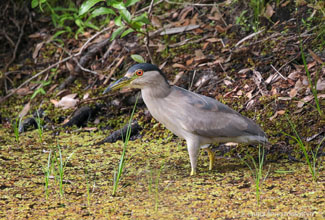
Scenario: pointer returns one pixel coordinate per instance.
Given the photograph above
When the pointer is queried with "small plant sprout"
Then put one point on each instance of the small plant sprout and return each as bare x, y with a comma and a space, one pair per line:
61, 168
16, 125
157, 186
117, 175
47, 171
257, 171
88, 188
311, 164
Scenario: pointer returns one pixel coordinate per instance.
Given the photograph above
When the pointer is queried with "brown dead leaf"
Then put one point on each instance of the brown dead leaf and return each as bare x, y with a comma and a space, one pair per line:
193, 20
67, 101
308, 99
216, 15
89, 129
199, 55
51, 89
220, 29
24, 91
269, 11
311, 65
320, 85
189, 61
35, 35
249, 94
184, 13
299, 85
304, 100
178, 65
227, 82
292, 93
315, 57
156, 21
70, 67
37, 49
213, 40
294, 75
280, 112
205, 45
62, 93
285, 3
25, 110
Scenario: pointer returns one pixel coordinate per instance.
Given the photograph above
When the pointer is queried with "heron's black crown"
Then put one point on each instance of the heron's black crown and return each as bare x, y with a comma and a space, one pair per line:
146, 67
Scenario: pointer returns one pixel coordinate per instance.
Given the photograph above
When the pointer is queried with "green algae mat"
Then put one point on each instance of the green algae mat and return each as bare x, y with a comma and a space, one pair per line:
155, 183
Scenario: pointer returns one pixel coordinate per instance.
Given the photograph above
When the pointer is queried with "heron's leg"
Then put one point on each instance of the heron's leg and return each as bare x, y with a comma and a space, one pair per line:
211, 155
193, 148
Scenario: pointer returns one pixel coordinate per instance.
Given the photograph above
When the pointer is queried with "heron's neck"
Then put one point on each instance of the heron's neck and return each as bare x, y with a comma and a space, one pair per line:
156, 90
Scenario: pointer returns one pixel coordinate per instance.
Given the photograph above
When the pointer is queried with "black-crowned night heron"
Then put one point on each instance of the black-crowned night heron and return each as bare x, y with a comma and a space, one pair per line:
198, 119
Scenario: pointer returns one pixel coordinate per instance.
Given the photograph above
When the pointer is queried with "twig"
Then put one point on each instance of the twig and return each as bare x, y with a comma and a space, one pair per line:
84, 69
8, 38
192, 4
147, 33
109, 50
249, 37
16, 47
145, 8
285, 78
187, 41
93, 37
76, 61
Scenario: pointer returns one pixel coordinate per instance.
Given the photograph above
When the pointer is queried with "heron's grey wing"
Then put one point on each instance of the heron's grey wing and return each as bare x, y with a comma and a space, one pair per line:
211, 118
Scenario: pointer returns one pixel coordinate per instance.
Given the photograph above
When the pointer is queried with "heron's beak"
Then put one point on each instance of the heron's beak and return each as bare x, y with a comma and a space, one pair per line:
124, 81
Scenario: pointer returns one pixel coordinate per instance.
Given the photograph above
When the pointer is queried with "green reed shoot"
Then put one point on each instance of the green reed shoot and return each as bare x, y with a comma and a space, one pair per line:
118, 174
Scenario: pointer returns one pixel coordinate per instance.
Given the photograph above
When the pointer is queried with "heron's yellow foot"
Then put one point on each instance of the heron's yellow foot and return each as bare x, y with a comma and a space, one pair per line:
193, 172
211, 155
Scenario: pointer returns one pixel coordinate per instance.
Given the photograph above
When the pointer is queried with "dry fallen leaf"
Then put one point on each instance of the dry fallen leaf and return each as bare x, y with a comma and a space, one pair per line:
213, 40
199, 55
269, 11
293, 93
320, 85
23, 91
25, 110
67, 101
189, 61
37, 49
315, 57
227, 82
178, 65
280, 112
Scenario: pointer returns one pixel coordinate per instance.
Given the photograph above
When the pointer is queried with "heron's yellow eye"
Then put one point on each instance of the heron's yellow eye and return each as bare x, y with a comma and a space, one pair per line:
139, 72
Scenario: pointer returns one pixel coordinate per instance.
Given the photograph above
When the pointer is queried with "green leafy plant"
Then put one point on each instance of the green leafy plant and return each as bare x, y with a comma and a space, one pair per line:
137, 58
311, 164
56, 166
16, 125
61, 167
257, 171
258, 7
85, 16
40, 88
118, 174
